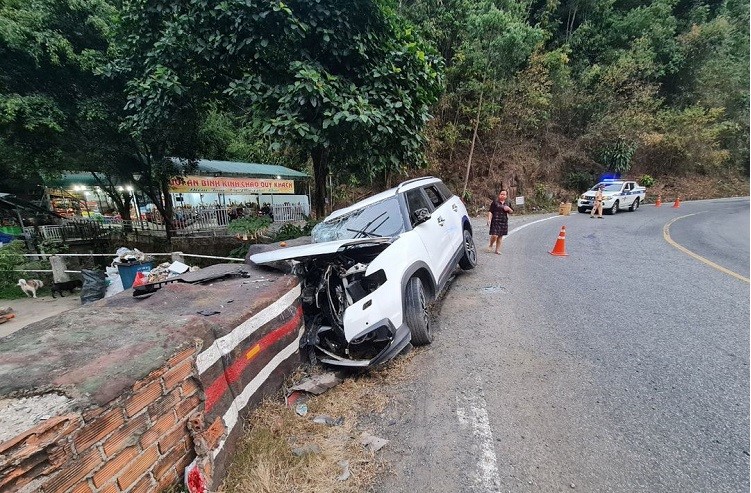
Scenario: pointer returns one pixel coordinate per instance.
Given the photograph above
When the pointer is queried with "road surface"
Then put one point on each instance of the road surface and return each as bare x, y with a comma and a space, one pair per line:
621, 367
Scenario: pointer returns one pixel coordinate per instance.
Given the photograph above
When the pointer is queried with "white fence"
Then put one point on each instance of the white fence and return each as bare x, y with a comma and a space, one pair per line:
185, 221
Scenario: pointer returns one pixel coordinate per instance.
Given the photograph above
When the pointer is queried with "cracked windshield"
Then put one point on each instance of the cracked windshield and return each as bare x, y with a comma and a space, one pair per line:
380, 219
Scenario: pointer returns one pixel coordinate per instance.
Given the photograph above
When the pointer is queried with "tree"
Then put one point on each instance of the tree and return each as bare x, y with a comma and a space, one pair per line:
350, 88
57, 111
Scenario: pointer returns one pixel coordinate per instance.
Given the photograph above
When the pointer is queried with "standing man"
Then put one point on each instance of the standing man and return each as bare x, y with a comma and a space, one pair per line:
498, 220
597, 208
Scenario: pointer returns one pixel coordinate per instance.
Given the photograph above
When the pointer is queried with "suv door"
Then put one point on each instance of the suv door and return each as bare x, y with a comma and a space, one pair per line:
448, 219
431, 232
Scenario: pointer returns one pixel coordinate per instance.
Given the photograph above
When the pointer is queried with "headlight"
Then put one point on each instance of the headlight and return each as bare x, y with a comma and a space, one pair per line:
583, 197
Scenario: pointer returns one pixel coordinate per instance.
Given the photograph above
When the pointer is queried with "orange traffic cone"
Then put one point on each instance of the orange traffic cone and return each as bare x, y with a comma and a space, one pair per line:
560, 245
677, 203
659, 201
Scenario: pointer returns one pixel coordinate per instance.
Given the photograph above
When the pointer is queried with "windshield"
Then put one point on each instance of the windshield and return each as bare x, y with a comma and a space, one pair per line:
609, 187
380, 219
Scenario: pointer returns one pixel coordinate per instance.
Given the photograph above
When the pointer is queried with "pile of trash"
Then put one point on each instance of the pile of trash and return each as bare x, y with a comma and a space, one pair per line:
128, 256
164, 271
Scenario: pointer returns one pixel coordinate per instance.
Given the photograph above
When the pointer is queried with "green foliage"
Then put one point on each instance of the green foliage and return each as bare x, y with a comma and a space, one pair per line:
646, 181
252, 226
288, 231
579, 180
291, 231
11, 257
617, 156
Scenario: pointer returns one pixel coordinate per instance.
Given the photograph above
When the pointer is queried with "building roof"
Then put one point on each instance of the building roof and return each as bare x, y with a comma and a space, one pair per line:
205, 167
252, 170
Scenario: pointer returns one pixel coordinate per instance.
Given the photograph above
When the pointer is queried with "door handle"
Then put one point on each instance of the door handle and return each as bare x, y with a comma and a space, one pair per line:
441, 221
454, 207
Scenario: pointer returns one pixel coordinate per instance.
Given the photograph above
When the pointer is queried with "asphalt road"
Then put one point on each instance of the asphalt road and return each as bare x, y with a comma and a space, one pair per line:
621, 367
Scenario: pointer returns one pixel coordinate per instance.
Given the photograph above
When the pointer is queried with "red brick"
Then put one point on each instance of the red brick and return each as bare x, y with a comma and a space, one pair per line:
168, 480
178, 374
187, 406
126, 435
159, 428
82, 488
114, 466
179, 357
110, 488
17, 473
60, 454
143, 398
168, 440
214, 432
151, 377
164, 404
47, 431
98, 429
142, 464
73, 473
143, 486
168, 462
189, 387
185, 462
93, 413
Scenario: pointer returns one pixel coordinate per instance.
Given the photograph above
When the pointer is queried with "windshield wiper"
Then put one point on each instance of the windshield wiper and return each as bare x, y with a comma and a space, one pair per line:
364, 231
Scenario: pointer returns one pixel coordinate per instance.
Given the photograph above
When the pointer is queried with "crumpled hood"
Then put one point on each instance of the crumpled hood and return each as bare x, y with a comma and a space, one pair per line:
314, 249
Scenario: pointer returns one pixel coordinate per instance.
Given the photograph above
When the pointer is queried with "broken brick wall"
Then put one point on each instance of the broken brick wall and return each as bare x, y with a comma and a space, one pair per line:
139, 442
199, 377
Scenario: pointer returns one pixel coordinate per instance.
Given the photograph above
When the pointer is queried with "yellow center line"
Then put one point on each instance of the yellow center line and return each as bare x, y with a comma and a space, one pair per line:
666, 235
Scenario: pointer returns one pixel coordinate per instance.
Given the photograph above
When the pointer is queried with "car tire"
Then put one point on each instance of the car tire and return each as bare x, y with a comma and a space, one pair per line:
416, 313
635, 205
614, 210
582, 210
469, 259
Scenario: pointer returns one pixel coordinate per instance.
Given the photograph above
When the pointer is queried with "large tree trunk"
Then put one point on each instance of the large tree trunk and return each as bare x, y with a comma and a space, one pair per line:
320, 156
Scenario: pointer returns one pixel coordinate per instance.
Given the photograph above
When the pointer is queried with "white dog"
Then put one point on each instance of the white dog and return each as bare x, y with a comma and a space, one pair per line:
30, 287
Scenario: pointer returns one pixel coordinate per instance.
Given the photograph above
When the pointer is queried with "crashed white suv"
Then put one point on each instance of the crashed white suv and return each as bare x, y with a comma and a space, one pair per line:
373, 268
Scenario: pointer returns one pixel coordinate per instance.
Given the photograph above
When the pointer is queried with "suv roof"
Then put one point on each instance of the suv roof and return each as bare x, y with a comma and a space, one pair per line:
402, 187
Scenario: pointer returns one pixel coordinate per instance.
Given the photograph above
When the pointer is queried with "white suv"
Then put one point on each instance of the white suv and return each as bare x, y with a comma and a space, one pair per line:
373, 268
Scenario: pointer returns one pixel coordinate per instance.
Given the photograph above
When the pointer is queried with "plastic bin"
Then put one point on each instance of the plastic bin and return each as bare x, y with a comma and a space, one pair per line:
128, 271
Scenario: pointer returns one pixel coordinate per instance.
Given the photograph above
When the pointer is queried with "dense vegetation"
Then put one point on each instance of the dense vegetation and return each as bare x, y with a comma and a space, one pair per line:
485, 93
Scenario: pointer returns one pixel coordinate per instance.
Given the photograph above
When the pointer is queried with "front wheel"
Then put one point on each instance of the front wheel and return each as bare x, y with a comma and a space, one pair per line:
614, 209
635, 205
582, 210
469, 259
416, 314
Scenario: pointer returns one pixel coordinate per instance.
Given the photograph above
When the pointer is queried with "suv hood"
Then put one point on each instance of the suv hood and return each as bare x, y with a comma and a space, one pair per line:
302, 252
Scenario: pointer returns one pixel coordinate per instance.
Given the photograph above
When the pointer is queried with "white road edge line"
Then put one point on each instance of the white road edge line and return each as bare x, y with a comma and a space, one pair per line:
471, 409
530, 224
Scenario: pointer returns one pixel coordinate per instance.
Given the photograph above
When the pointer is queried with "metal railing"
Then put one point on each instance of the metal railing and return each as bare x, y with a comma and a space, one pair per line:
186, 221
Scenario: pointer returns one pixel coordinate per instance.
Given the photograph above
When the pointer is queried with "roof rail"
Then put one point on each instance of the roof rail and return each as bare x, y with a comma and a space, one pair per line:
414, 180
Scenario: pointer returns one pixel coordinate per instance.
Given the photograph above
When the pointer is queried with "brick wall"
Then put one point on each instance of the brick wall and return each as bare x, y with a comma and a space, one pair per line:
140, 442
181, 418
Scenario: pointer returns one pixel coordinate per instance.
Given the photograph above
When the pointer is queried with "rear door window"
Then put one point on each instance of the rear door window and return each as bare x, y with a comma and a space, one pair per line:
434, 196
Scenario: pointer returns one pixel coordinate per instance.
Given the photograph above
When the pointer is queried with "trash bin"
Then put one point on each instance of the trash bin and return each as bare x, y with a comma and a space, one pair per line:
128, 271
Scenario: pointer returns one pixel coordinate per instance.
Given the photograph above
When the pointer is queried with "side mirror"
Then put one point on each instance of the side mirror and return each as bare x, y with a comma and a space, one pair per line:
421, 215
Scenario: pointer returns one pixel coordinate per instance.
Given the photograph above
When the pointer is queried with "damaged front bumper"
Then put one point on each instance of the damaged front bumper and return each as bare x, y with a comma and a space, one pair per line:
323, 344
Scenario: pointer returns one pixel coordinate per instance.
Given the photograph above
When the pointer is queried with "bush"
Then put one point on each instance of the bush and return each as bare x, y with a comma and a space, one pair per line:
646, 181
579, 180
12, 261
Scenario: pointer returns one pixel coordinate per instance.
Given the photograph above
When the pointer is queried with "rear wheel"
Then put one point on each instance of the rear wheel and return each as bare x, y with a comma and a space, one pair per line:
416, 314
469, 259
635, 205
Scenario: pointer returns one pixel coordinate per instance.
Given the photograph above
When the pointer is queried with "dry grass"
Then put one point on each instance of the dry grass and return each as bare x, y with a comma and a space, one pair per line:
264, 461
